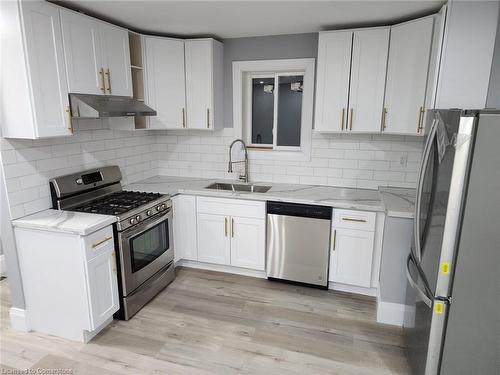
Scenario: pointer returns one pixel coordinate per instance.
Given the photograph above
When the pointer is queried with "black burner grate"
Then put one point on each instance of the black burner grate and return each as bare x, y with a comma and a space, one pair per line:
118, 203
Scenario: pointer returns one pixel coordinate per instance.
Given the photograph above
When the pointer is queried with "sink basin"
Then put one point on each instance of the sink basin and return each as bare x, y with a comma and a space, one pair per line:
239, 187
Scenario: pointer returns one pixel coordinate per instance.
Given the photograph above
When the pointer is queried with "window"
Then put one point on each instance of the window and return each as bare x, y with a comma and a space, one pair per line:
272, 107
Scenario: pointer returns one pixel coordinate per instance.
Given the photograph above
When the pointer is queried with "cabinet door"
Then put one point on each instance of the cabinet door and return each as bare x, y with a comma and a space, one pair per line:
366, 93
407, 75
185, 246
166, 91
332, 83
102, 287
199, 83
351, 257
44, 48
83, 54
213, 239
248, 246
116, 56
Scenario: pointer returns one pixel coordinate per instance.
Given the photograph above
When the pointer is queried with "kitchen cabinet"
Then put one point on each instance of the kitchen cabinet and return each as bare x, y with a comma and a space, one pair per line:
97, 55
407, 74
367, 84
332, 82
231, 232
353, 239
185, 246
204, 83
351, 80
35, 90
166, 91
69, 279
214, 245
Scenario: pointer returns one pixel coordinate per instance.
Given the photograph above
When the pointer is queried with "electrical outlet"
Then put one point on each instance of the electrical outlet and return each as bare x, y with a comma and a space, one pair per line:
403, 160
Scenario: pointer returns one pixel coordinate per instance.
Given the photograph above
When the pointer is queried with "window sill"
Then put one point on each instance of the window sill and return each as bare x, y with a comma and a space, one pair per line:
264, 153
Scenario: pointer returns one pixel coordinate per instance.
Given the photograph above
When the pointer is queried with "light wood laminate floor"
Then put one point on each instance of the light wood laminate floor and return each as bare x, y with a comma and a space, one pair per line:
216, 323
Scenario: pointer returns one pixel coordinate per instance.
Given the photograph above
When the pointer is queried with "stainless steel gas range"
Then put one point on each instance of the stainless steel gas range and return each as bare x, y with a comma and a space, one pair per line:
143, 231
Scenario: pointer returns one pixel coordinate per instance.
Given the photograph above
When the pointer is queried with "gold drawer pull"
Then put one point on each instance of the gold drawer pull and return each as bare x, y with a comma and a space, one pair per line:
232, 227
225, 227
334, 239
357, 220
101, 242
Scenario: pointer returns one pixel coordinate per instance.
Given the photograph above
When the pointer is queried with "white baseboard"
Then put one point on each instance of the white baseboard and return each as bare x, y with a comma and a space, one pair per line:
19, 319
3, 266
372, 292
221, 268
391, 313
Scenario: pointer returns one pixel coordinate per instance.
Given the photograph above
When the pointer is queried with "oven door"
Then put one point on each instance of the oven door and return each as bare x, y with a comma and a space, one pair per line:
144, 250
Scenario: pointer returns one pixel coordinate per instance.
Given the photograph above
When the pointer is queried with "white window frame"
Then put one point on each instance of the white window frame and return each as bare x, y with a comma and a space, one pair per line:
243, 72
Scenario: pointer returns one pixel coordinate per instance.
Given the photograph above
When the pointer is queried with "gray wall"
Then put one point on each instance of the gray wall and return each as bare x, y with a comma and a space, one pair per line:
493, 100
262, 48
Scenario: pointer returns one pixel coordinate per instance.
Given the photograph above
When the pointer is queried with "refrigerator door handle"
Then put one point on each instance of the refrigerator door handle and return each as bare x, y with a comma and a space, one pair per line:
423, 296
420, 186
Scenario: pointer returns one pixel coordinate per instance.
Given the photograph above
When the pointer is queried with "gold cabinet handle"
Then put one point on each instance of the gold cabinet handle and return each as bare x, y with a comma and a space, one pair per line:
101, 242
334, 241
183, 118
357, 220
342, 119
384, 115
350, 119
232, 227
225, 227
420, 119
70, 120
208, 118
108, 74
103, 88
113, 254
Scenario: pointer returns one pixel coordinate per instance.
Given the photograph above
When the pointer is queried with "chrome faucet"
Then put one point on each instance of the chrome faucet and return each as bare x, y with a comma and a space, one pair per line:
243, 177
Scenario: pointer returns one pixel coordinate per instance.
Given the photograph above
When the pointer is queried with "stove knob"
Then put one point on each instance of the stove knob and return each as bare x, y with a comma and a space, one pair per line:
132, 221
158, 208
163, 206
149, 212
79, 181
138, 218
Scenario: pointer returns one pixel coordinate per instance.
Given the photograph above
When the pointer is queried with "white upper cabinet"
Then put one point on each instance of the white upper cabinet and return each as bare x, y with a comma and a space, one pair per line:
368, 68
34, 87
204, 64
410, 49
83, 54
115, 47
97, 56
332, 82
166, 90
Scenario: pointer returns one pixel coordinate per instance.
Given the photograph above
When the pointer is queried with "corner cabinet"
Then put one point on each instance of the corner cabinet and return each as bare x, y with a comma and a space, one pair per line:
97, 55
204, 83
34, 86
351, 80
231, 232
352, 247
69, 281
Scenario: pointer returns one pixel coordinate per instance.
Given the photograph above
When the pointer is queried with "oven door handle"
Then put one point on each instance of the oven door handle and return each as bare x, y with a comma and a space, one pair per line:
145, 225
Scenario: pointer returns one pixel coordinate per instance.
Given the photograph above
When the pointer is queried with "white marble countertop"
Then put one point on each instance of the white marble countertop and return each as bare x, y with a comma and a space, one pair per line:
65, 221
362, 199
399, 202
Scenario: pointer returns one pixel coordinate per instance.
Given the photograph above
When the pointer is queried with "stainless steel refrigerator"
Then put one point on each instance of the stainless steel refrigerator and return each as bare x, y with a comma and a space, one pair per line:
452, 322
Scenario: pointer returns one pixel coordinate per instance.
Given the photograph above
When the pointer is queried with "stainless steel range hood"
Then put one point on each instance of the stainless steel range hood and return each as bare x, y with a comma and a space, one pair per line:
101, 106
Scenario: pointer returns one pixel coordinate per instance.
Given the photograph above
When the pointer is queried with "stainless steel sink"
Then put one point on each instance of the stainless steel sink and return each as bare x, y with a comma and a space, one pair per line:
239, 187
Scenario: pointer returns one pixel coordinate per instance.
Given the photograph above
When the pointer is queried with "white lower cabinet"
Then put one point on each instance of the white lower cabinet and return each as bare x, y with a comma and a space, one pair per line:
351, 257
214, 245
69, 281
231, 232
185, 246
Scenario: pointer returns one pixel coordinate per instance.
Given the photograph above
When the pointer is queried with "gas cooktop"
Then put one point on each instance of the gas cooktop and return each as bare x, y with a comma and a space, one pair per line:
118, 203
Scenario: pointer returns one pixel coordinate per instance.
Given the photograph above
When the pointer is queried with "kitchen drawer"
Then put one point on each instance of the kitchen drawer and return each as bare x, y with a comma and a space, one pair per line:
350, 219
98, 242
231, 207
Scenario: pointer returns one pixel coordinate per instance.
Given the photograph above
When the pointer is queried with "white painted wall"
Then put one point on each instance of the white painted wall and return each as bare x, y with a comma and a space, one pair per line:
28, 164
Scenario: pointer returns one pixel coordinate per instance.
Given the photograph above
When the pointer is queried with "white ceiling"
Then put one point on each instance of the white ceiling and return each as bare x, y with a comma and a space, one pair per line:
233, 19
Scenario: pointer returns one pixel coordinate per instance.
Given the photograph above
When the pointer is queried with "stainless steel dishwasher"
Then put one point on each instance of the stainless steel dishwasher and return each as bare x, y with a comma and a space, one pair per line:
298, 243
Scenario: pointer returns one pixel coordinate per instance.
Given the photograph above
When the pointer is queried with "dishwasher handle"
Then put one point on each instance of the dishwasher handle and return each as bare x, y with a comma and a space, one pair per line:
300, 210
